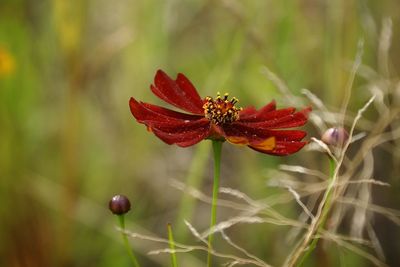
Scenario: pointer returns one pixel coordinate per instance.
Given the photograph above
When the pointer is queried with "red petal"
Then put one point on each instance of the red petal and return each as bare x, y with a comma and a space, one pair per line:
288, 121
251, 114
247, 112
238, 130
183, 139
180, 92
170, 126
297, 119
242, 133
147, 112
171, 113
278, 145
274, 142
282, 148
287, 135
191, 91
276, 114
180, 127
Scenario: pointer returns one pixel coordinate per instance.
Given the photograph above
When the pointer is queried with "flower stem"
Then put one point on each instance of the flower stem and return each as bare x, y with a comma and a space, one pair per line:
217, 147
174, 262
324, 215
121, 220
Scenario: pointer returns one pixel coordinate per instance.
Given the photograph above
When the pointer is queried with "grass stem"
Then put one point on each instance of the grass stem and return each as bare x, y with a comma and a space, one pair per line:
174, 261
324, 215
121, 219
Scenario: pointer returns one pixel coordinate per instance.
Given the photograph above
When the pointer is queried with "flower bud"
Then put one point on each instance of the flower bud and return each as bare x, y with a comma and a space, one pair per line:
119, 204
336, 136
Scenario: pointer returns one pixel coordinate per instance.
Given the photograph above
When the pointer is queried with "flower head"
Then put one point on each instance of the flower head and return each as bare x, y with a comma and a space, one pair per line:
218, 119
336, 136
119, 204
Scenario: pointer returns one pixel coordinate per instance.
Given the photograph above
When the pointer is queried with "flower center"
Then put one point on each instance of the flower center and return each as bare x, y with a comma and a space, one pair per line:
221, 110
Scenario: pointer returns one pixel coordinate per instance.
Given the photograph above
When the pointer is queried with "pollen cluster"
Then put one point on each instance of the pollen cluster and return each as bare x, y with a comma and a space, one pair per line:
221, 110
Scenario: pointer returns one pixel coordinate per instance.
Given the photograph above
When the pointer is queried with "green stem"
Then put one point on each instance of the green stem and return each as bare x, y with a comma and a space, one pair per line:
324, 215
217, 147
121, 219
174, 262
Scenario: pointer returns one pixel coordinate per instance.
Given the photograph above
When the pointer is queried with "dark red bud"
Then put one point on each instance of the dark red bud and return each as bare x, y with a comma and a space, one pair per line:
119, 204
336, 136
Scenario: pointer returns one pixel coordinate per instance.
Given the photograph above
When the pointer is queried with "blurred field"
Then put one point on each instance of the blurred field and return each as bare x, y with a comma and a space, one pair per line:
68, 141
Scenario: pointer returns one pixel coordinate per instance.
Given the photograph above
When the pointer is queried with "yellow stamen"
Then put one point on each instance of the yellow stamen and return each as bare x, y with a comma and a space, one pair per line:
221, 110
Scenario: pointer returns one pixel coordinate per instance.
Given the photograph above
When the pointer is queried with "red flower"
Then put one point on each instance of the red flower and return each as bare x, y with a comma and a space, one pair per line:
218, 119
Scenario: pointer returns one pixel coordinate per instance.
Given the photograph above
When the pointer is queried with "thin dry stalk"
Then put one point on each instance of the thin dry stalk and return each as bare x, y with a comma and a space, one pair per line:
299, 250
298, 200
359, 251
183, 248
303, 170
249, 255
347, 91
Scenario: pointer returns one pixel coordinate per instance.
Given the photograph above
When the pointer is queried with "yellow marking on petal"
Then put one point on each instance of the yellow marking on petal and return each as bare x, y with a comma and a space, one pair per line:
267, 144
237, 140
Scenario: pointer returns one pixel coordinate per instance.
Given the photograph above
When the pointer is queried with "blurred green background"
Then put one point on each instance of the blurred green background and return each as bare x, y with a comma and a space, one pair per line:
68, 141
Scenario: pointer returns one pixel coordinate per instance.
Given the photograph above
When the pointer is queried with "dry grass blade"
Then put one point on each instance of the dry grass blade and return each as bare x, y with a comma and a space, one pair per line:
328, 116
230, 242
187, 248
197, 194
324, 147
359, 251
366, 181
303, 170
384, 46
353, 126
281, 86
195, 232
226, 224
347, 91
363, 193
240, 195
301, 247
298, 200
393, 215
375, 241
